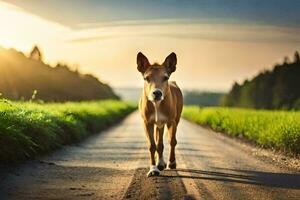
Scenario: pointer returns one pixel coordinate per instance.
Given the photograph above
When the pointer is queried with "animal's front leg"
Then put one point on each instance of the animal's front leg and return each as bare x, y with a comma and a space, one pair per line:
172, 128
161, 165
149, 129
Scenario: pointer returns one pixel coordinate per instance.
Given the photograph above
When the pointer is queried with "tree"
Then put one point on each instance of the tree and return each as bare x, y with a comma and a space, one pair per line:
36, 54
286, 60
296, 57
233, 97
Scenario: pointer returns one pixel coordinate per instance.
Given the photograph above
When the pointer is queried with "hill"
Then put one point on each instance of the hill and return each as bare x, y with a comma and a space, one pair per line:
272, 89
191, 97
22, 76
129, 93
202, 98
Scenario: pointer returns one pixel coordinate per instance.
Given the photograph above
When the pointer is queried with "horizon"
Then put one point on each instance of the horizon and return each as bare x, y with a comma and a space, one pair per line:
216, 43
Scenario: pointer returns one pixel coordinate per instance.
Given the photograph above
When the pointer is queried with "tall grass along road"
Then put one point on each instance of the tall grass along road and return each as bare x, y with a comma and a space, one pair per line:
113, 165
275, 129
29, 129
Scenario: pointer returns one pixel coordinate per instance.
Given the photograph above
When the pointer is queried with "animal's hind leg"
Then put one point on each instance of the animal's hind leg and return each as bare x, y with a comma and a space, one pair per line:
161, 165
149, 129
172, 128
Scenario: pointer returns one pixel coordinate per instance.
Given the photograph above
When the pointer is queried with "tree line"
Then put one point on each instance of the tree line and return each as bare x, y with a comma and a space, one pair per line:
25, 77
278, 88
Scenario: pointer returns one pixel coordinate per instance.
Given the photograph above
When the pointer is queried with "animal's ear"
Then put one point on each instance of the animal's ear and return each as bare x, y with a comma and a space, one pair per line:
142, 62
171, 62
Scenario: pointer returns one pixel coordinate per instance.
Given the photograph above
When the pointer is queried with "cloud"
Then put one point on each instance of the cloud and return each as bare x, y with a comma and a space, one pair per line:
189, 29
76, 13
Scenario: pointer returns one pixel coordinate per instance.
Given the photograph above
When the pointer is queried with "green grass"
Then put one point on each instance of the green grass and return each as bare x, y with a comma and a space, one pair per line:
29, 129
276, 129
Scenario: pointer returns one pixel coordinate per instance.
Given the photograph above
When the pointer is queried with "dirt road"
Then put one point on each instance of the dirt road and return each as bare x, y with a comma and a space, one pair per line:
112, 165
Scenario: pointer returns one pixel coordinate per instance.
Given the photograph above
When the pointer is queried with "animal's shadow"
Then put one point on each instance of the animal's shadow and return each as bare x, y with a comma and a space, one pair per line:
269, 179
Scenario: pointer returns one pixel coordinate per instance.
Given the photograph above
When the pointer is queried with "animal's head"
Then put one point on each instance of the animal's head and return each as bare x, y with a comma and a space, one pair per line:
156, 76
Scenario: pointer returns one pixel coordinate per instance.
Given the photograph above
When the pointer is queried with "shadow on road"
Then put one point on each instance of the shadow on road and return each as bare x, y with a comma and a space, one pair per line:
280, 180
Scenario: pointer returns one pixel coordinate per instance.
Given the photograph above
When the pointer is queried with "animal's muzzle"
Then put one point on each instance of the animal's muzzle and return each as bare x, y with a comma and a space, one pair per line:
157, 95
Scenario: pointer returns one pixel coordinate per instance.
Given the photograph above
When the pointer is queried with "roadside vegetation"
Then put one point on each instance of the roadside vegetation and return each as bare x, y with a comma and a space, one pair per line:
274, 129
29, 129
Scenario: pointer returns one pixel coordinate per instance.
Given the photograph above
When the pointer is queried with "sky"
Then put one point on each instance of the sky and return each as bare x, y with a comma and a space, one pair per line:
216, 42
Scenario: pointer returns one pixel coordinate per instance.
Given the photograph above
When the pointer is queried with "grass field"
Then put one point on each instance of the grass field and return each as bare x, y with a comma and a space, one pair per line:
276, 129
29, 129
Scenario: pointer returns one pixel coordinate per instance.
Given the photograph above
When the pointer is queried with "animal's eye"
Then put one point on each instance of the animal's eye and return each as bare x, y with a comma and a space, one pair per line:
147, 79
166, 78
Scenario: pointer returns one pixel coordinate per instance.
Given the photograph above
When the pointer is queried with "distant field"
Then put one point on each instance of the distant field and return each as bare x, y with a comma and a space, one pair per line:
28, 129
275, 129
202, 98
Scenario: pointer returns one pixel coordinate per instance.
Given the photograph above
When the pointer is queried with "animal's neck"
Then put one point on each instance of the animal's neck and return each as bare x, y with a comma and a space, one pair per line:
156, 110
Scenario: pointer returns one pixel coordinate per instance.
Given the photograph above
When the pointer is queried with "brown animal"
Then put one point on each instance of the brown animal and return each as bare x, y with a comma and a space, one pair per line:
160, 106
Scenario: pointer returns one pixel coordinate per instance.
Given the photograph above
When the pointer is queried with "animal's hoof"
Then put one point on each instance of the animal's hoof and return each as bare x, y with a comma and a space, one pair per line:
161, 167
172, 165
153, 171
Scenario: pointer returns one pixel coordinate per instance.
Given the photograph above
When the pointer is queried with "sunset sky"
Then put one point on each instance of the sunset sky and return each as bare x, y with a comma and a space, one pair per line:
217, 42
